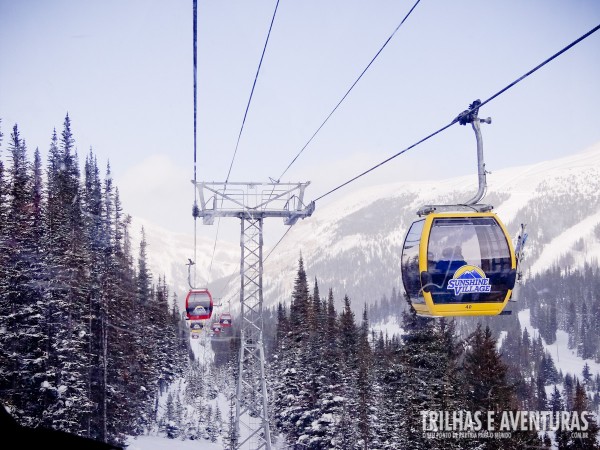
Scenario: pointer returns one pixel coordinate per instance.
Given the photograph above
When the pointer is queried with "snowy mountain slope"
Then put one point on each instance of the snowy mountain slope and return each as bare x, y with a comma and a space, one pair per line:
565, 358
353, 245
168, 255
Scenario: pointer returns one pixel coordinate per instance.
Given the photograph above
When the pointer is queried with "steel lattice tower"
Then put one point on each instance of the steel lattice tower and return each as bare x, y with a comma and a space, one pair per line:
252, 203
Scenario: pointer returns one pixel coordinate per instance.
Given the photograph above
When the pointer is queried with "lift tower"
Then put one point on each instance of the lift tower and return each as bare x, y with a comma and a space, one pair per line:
252, 203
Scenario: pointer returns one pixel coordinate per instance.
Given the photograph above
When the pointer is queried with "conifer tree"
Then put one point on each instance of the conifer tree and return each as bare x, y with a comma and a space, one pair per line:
145, 315
348, 337
4, 306
485, 374
557, 406
488, 389
331, 401
66, 303
22, 283
576, 438
312, 377
99, 291
231, 437
426, 380
347, 340
290, 371
5, 353
66, 386
282, 328
332, 352
365, 386
569, 390
541, 397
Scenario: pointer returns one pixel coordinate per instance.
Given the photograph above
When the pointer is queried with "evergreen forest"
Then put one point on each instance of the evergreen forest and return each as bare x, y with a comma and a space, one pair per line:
93, 343
88, 337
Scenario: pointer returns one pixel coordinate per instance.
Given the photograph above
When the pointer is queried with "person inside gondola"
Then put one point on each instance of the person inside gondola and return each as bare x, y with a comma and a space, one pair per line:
199, 310
430, 261
452, 260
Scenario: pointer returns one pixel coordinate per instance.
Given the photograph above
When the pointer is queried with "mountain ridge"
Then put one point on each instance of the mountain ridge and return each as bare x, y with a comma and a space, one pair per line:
353, 244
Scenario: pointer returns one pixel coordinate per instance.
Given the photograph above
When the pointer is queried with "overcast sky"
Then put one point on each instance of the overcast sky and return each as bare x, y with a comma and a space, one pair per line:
123, 70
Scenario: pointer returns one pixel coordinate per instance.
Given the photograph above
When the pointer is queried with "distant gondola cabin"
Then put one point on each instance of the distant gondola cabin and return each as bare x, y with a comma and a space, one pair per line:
458, 264
225, 319
196, 325
199, 304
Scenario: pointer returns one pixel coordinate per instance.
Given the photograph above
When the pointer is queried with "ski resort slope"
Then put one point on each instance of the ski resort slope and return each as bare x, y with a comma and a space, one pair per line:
353, 244
163, 443
204, 354
566, 359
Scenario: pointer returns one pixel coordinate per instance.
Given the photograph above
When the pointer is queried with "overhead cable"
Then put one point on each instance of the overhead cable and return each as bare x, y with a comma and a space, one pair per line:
539, 66
195, 58
252, 91
242, 129
348, 91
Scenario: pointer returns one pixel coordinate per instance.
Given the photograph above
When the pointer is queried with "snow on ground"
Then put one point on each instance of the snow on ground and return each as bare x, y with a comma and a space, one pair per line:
565, 359
163, 443
501, 339
203, 352
390, 326
201, 347
566, 240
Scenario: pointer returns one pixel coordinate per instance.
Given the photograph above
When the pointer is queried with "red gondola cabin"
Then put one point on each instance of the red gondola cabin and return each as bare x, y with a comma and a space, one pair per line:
225, 320
199, 304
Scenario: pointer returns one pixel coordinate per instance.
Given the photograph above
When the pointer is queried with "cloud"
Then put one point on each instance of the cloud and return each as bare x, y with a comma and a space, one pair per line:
160, 191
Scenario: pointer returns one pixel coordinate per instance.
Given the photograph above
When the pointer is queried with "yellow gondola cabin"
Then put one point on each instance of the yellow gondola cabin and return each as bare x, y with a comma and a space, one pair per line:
458, 264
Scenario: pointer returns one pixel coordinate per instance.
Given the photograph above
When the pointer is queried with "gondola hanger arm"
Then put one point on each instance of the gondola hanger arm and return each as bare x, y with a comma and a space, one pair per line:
470, 116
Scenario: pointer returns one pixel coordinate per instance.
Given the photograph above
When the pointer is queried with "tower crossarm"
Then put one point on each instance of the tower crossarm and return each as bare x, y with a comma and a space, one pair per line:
253, 200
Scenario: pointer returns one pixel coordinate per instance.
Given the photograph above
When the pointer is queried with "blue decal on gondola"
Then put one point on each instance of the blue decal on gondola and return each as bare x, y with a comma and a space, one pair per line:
469, 280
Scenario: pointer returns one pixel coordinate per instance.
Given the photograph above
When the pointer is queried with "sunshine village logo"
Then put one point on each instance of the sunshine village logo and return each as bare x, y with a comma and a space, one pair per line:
468, 280
493, 424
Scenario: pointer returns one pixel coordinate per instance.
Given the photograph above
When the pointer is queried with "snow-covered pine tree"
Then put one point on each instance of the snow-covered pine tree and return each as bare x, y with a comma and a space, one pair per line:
387, 376
289, 371
427, 379
121, 332
365, 388
548, 370
39, 279
557, 405
176, 342
281, 330
569, 391
182, 348
541, 397
66, 297
347, 339
24, 278
485, 374
5, 347
99, 291
488, 389
142, 315
575, 438
159, 335
231, 437
331, 400
312, 375
218, 421
4, 305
